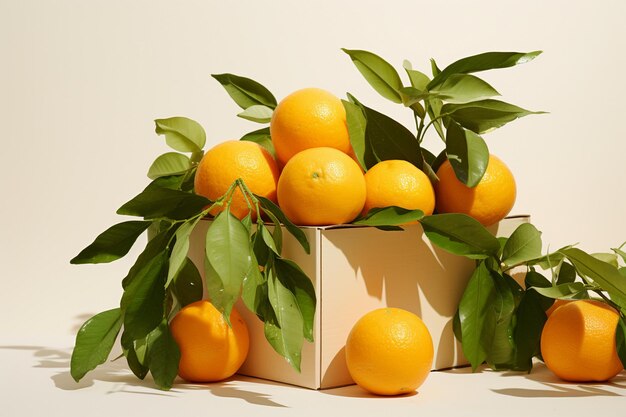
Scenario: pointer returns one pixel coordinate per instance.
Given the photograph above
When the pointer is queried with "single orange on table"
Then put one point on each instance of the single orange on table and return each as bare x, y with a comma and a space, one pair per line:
321, 186
230, 160
210, 350
389, 351
489, 202
578, 341
398, 183
308, 118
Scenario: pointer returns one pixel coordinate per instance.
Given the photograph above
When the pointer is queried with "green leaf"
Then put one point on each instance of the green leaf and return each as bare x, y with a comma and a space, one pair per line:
411, 95
128, 348
389, 216
277, 234
620, 252
180, 249
468, 154
163, 202
549, 260
188, 284
463, 88
254, 291
534, 279
567, 291
170, 163
566, 273
163, 356
229, 254
603, 274
609, 258
257, 113
482, 62
299, 284
112, 244
530, 318
261, 250
500, 351
484, 115
460, 234
286, 334
356, 122
477, 324
418, 79
378, 73
523, 245
434, 106
620, 340
94, 342
391, 140
153, 248
268, 206
246, 92
181, 134
262, 137
172, 182
143, 299
434, 68
268, 238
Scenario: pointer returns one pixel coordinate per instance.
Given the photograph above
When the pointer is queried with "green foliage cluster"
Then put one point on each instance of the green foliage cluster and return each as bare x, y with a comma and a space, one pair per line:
242, 258
500, 321
458, 105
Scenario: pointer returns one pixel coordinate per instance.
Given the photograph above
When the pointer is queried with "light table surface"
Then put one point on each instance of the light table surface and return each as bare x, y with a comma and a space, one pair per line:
36, 382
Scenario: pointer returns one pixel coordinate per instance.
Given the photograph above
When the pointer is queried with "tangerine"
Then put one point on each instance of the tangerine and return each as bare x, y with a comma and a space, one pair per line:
489, 202
578, 341
308, 118
389, 351
210, 350
233, 159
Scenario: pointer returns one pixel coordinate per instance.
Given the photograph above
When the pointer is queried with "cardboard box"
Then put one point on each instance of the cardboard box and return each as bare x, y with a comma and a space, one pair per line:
356, 270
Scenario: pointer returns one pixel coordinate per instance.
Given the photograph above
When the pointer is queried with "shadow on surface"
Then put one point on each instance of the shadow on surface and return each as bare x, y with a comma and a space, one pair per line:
354, 391
557, 388
117, 373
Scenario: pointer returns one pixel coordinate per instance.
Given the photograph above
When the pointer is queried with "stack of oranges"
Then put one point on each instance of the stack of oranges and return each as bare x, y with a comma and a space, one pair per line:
316, 179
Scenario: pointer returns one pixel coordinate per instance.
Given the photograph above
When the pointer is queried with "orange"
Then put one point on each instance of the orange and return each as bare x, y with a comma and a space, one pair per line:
489, 202
578, 341
398, 183
308, 118
321, 186
210, 349
224, 163
389, 351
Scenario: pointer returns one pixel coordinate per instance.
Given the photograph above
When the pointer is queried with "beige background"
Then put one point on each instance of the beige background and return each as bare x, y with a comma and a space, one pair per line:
81, 82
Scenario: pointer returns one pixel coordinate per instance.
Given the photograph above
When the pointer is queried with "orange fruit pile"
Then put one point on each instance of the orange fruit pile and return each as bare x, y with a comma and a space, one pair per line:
389, 351
578, 341
322, 183
210, 350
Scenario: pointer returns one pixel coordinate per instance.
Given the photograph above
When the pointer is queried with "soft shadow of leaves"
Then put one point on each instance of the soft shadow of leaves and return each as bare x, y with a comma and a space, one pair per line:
117, 373
227, 389
557, 388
